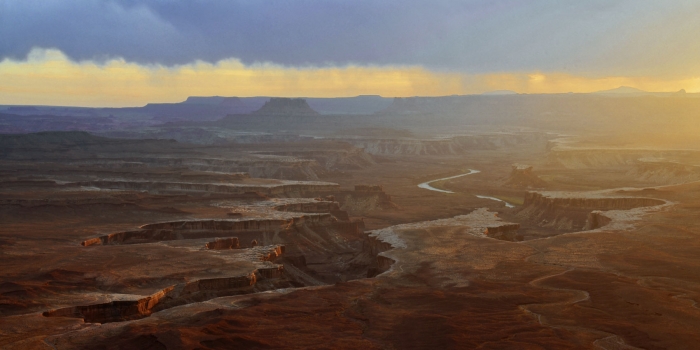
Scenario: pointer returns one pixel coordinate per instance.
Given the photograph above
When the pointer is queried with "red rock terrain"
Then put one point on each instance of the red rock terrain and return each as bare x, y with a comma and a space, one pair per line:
108, 255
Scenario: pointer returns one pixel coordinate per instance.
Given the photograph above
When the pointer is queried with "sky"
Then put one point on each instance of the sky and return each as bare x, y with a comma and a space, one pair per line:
129, 52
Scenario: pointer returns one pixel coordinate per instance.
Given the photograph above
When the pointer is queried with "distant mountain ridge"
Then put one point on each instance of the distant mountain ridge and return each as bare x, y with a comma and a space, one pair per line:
477, 109
623, 90
362, 104
499, 93
203, 108
286, 107
627, 91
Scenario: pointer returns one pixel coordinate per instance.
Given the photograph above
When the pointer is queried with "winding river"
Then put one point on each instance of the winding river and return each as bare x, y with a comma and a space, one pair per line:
426, 185
508, 205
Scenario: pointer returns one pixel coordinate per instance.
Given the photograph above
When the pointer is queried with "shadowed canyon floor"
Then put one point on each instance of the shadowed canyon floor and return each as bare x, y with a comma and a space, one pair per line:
341, 242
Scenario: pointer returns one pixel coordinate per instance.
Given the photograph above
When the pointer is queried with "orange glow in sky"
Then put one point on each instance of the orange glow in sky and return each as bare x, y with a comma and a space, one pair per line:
48, 77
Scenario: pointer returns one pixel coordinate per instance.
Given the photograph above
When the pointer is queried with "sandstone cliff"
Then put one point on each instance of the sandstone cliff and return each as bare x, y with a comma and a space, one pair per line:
571, 211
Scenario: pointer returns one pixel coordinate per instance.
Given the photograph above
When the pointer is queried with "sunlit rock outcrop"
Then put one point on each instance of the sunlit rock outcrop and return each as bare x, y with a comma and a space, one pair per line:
571, 211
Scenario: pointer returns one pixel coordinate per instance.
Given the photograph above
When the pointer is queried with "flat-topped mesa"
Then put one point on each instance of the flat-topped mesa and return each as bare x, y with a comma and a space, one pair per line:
278, 106
135, 307
199, 290
593, 203
239, 225
331, 207
572, 211
261, 230
113, 311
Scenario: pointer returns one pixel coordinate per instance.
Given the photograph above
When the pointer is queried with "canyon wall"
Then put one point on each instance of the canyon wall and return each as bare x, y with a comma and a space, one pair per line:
567, 212
506, 232
365, 198
224, 243
330, 207
276, 190
124, 310
192, 229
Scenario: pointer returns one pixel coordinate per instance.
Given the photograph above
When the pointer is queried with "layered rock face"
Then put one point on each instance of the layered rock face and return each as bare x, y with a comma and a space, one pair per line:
316, 236
330, 207
286, 106
114, 311
506, 232
571, 212
314, 242
635, 165
600, 203
202, 289
382, 263
224, 243
178, 230
587, 159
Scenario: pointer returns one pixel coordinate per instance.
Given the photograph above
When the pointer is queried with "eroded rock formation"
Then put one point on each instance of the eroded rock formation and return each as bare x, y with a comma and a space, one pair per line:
123, 310
330, 207
193, 229
365, 198
522, 177
224, 243
570, 211
506, 232
596, 219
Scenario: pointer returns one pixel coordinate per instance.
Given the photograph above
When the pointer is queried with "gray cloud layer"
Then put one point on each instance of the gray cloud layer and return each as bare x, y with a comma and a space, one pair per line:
636, 37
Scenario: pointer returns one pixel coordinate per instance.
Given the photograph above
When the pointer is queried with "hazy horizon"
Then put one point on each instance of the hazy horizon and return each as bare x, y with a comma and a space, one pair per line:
349, 174
129, 53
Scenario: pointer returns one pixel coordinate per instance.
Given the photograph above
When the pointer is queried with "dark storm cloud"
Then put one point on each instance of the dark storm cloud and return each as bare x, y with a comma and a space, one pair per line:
471, 36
